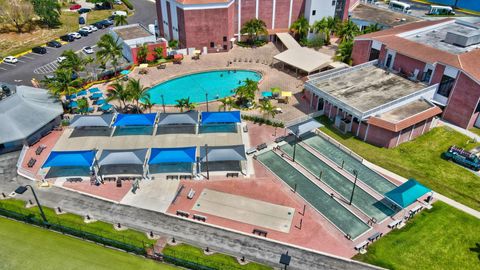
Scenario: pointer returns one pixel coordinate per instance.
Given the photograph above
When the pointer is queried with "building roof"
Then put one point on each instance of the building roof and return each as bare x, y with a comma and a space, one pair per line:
384, 17
288, 41
429, 45
405, 116
407, 193
103, 120
25, 112
131, 31
173, 155
304, 58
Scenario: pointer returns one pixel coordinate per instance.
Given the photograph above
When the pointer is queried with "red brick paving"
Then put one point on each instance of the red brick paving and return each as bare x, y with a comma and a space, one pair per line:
109, 190
49, 141
263, 133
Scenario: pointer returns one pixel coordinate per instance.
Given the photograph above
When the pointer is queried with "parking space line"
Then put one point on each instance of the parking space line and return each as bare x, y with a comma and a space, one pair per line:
21, 61
28, 57
9, 64
3, 68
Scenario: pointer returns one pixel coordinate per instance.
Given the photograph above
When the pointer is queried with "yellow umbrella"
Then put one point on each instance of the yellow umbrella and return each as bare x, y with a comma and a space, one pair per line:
143, 66
286, 94
197, 52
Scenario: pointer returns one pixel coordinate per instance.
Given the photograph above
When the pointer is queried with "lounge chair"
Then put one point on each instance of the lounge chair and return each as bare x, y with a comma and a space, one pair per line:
31, 162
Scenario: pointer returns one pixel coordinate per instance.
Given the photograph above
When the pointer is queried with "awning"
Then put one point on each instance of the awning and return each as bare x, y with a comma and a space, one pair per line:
187, 118
223, 153
304, 127
106, 107
82, 93
286, 94
100, 101
304, 58
173, 155
103, 120
221, 117
147, 119
70, 158
407, 193
288, 40
266, 94
125, 72
178, 56
122, 157
96, 95
94, 90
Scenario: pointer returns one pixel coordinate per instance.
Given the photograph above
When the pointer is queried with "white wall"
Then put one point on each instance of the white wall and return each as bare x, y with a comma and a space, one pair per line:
322, 8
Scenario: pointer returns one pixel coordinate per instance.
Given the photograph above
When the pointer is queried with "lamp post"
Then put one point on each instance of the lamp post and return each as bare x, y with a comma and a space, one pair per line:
295, 146
206, 161
355, 172
22, 189
163, 103
206, 99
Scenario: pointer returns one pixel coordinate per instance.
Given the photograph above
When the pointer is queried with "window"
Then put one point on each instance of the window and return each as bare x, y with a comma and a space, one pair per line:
427, 75
225, 47
333, 3
374, 54
224, 38
446, 85
314, 12
389, 61
478, 107
212, 44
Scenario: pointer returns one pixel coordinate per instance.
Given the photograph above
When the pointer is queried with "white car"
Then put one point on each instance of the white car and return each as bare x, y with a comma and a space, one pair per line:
93, 28
118, 2
75, 35
10, 59
86, 28
60, 59
119, 13
88, 50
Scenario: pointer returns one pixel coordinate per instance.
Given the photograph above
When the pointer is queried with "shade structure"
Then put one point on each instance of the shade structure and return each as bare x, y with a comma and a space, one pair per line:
266, 94
122, 157
97, 95
304, 127
173, 155
286, 94
407, 193
103, 120
101, 101
106, 107
70, 159
147, 119
94, 90
73, 104
72, 96
223, 153
187, 118
221, 117
304, 58
82, 93
125, 72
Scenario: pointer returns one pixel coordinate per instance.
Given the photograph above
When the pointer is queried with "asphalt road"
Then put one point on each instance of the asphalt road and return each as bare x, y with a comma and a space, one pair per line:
23, 71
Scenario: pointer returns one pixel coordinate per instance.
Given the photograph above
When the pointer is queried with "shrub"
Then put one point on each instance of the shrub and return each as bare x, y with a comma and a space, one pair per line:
260, 120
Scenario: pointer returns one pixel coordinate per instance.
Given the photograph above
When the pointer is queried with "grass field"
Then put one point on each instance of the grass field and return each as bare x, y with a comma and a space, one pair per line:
194, 254
27, 247
440, 238
421, 159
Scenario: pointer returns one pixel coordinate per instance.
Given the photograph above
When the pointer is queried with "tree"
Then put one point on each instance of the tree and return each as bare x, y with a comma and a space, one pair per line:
266, 107
63, 83
344, 52
110, 50
372, 28
82, 104
173, 43
180, 103
227, 103
18, 13
300, 28
142, 53
120, 20
327, 26
246, 92
348, 30
253, 28
87, 61
73, 61
117, 91
136, 91
48, 11
147, 103
158, 53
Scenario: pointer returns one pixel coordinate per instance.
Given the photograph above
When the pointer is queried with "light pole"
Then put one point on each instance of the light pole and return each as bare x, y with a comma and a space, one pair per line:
163, 103
295, 146
22, 189
206, 99
206, 161
355, 172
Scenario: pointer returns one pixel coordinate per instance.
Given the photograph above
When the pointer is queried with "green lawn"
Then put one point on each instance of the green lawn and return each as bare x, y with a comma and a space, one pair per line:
217, 260
475, 130
440, 238
421, 159
27, 247
104, 229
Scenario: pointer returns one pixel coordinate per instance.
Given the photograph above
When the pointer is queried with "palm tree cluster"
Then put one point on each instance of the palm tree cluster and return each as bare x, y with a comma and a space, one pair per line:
267, 108
132, 96
109, 50
254, 28
227, 103
246, 92
185, 103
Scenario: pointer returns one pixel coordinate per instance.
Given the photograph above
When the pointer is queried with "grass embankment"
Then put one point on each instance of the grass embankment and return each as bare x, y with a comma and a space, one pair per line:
440, 238
421, 159
28, 247
217, 260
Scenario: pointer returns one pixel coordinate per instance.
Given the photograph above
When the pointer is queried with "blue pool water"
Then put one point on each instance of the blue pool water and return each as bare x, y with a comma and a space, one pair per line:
218, 84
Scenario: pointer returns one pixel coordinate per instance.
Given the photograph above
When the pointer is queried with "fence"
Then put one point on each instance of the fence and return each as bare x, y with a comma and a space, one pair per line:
339, 145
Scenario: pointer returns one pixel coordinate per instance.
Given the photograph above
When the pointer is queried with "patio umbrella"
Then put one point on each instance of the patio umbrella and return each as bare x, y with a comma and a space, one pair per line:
125, 72
106, 107
100, 102
73, 104
286, 94
72, 96
97, 95
94, 90
82, 93
266, 94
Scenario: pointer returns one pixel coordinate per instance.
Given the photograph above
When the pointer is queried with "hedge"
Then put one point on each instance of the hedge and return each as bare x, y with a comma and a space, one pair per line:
128, 4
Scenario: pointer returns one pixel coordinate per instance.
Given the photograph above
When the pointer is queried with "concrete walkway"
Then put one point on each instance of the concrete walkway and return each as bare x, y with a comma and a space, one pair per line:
437, 195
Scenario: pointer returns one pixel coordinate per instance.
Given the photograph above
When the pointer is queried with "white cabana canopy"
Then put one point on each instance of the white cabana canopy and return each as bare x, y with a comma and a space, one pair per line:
223, 153
103, 120
305, 59
288, 40
118, 157
187, 118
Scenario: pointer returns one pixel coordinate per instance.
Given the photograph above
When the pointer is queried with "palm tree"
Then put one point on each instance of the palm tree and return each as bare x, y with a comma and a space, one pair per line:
142, 53
189, 105
136, 91
372, 28
327, 26
87, 61
253, 28
158, 53
117, 91
267, 108
120, 20
246, 92
109, 50
173, 43
227, 103
300, 28
180, 104
72, 61
344, 52
348, 30
82, 104
63, 83
147, 103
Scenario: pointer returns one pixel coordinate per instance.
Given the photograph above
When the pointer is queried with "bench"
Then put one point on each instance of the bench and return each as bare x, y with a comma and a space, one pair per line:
185, 176
232, 175
363, 245
415, 210
375, 236
279, 139
261, 146
245, 128
31, 162
74, 179
260, 232
394, 224
199, 217
182, 213
40, 149
109, 179
190, 194
251, 151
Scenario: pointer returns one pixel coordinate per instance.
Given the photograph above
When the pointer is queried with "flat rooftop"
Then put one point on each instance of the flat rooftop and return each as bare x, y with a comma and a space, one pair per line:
367, 88
406, 111
435, 37
381, 16
133, 31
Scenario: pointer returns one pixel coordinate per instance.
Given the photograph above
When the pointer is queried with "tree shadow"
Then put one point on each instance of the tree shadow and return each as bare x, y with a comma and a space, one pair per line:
476, 249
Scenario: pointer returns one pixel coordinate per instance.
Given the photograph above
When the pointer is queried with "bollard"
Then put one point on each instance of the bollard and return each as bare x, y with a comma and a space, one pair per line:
59, 210
343, 163
207, 249
88, 217
30, 202
3, 195
173, 240
119, 225
151, 234
243, 258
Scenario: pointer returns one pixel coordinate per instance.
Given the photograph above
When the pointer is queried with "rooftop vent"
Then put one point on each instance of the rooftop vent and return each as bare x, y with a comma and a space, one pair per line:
463, 39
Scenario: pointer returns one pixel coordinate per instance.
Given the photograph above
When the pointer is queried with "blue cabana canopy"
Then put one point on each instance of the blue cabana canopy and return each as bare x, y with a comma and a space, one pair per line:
81, 93
73, 104
407, 193
125, 72
72, 96
266, 94
221, 117
173, 155
70, 158
100, 101
97, 95
124, 120
94, 90
106, 107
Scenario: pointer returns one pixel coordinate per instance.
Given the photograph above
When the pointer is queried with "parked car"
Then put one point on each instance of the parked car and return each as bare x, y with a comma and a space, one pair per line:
68, 38
118, 2
75, 7
99, 25
75, 35
39, 50
93, 28
83, 33
86, 28
119, 13
54, 44
81, 20
88, 50
10, 59
84, 10
103, 6
60, 59
106, 23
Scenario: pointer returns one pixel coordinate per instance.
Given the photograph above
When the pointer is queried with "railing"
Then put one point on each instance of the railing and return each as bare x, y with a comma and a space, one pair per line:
339, 145
303, 118
22, 156
343, 71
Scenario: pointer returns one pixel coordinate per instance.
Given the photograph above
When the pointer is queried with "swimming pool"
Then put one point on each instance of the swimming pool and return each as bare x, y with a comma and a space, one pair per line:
217, 84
